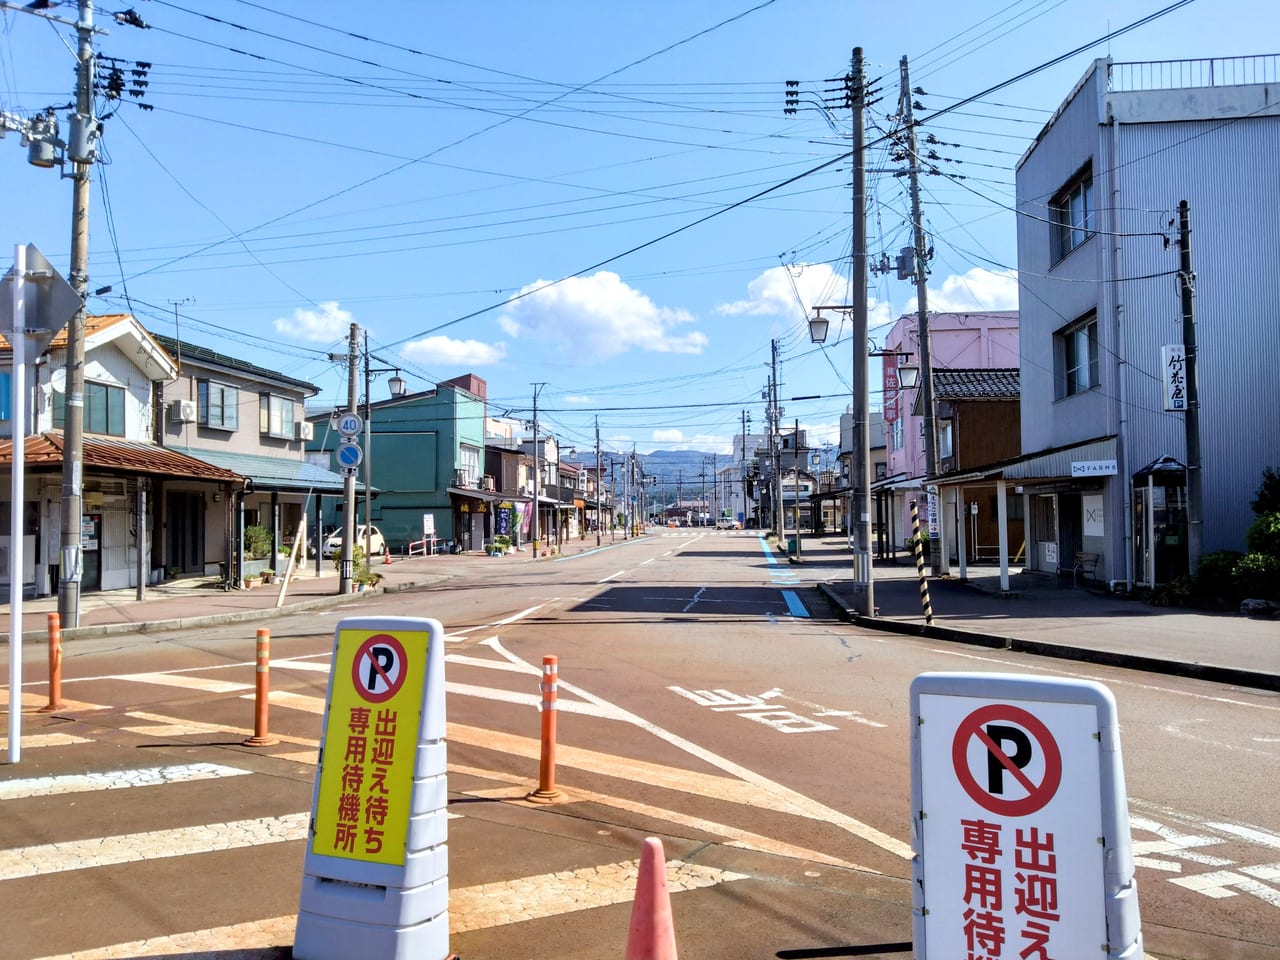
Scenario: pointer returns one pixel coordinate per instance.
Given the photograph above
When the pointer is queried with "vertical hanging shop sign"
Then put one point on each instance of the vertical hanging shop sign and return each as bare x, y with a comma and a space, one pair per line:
1021, 824
378, 819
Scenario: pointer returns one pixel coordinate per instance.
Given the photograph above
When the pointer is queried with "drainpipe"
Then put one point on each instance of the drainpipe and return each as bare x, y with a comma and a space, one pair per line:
1122, 394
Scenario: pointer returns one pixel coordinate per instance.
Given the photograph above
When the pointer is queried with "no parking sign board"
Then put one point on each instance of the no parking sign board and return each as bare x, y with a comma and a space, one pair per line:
1020, 822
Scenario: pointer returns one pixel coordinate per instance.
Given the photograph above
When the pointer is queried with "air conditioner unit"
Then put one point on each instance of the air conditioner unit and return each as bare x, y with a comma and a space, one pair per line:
487, 483
304, 430
182, 411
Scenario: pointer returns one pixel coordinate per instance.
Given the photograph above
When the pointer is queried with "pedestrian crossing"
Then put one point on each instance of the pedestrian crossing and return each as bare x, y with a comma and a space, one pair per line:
96, 852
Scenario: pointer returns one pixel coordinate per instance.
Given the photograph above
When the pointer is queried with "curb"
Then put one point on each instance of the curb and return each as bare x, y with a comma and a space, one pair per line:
93, 631
1195, 671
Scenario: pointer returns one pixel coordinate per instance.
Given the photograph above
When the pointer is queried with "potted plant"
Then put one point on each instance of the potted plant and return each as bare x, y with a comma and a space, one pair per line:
268, 575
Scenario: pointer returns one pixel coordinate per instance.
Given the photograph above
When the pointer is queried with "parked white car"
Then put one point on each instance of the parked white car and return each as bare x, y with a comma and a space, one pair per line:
377, 546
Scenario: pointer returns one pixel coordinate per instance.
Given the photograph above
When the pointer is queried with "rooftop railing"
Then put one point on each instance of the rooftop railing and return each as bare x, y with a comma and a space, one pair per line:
1180, 74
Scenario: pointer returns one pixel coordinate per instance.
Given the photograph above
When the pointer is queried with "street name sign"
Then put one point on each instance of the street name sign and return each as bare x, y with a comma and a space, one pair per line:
1020, 822
375, 878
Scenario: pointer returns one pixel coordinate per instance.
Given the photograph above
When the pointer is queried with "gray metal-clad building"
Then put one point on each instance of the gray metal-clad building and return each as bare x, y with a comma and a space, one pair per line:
1099, 300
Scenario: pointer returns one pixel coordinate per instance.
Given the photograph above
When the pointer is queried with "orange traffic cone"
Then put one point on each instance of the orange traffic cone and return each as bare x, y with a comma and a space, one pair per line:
653, 934
386, 556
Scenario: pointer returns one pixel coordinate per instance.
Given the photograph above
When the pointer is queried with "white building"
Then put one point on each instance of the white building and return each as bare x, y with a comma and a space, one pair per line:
1098, 196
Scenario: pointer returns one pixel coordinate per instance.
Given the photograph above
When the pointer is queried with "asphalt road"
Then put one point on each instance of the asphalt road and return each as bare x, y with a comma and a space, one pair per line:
707, 697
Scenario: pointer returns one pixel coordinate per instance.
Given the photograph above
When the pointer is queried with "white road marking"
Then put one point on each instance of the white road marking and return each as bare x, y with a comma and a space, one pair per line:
1251, 834
470, 908
780, 798
1226, 883
611, 576
308, 665
187, 683
114, 780
152, 845
158, 725
696, 597
34, 740
465, 660
517, 616
292, 701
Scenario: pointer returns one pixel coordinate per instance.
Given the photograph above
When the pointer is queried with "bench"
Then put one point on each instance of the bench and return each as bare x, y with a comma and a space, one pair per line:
1086, 563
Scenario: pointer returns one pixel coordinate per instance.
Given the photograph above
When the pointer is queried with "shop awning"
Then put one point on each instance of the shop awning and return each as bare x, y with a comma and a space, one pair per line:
275, 473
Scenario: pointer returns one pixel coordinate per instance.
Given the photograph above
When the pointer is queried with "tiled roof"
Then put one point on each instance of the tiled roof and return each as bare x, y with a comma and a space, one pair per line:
120, 456
997, 383
203, 355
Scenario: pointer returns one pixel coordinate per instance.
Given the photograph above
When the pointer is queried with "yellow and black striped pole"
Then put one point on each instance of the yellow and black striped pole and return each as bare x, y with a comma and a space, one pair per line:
917, 546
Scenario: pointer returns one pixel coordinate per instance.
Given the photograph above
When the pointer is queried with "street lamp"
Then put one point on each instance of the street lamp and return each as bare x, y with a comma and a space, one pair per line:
860, 475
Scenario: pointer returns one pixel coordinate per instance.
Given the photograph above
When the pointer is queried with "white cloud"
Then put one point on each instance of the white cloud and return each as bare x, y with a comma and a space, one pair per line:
774, 293
600, 316
673, 439
979, 289
442, 351
324, 325
578, 399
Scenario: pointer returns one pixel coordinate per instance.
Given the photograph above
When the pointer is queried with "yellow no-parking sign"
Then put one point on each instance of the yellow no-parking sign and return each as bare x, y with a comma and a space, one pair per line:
370, 743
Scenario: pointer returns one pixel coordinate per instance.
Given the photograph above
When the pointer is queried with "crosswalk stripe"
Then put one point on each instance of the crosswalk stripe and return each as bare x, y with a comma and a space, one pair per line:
35, 740
317, 666
470, 908
115, 780
151, 845
187, 682
158, 725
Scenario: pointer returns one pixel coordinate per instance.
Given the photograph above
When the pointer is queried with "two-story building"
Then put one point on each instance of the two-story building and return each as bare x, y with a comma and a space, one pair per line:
426, 457
136, 494
250, 420
1102, 312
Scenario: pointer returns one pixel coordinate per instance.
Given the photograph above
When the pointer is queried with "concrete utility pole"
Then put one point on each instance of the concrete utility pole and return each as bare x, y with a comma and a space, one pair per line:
599, 493
536, 506
1195, 472
71, 563
745, 511
937, 559
349, 481
860, 478
775, 440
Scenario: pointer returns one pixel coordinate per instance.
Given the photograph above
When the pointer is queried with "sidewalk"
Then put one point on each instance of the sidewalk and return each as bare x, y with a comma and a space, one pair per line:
1045, 616
1039, 615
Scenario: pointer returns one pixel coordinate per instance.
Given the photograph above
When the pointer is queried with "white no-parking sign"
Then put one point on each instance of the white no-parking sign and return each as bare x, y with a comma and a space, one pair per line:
1021, 825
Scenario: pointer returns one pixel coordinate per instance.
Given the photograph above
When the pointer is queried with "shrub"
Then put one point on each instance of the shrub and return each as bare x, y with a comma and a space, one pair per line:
1267, 499
1264, 534
1257, 577
1215, 581
1175, 593
257, 542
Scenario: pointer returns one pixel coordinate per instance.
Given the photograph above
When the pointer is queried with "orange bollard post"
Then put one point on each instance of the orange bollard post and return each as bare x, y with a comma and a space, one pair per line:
547, 792
55, 665
262, 693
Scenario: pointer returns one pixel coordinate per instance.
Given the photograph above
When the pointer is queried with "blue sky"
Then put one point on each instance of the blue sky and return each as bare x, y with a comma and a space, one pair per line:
294, 178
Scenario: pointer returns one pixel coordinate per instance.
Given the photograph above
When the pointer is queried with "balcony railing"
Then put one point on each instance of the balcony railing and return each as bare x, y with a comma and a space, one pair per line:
1181, 74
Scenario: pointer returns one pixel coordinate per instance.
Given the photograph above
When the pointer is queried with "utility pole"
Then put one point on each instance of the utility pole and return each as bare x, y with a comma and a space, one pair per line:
1195, 472
537, 507
70, 566
775, 440
599, 491
860, 478
745, 511
937, 560
349, 481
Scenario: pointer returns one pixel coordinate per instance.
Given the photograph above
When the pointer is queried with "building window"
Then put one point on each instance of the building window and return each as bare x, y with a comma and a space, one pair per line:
275, 416
895, 434
1077, 355
219, 405
103, 409
469, 465
944, 438
1071, 212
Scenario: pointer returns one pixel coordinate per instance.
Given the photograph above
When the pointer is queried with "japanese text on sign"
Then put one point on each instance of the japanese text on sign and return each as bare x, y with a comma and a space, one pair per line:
371, 733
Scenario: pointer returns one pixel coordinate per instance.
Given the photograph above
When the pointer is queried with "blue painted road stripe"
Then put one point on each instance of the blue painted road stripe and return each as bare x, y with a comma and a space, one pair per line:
794, 605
